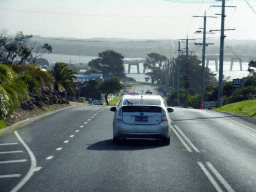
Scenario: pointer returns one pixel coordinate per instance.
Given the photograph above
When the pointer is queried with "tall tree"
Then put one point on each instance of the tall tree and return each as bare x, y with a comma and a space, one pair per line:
194, 73
154, 63
64, 77
110, 86
109, 62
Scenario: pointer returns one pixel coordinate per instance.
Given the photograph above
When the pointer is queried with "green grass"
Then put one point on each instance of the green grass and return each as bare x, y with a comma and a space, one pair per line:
115, 100
2, 124
244, 108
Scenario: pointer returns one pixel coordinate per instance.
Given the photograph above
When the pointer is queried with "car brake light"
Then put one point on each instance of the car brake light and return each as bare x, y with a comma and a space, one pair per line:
119, 116
164, 117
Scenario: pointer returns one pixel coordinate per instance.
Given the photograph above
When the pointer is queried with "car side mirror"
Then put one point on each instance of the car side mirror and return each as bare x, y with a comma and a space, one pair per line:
170, 110
113, 109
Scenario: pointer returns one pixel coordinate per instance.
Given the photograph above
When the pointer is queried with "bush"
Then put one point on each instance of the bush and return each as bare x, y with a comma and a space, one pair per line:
2, 124
4, 102
31, 83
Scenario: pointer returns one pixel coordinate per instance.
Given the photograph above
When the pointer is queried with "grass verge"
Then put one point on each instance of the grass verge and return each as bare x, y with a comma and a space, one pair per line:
245, 108
115, 100
2, 124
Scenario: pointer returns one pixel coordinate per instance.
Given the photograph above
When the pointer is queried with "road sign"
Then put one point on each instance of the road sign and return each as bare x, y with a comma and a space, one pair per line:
238, 83
210, 105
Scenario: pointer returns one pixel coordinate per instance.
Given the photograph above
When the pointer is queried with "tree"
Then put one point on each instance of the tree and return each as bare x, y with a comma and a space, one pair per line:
154, 63
110, 86
19, 49
64, 78
91, 90
39, 50
194, 73
109, 62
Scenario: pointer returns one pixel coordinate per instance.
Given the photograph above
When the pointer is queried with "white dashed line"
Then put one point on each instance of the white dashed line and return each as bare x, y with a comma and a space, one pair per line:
8, 144
49, 158
13, 161
89, 120
38, 168
81, 126
85, 122
6, 152
58, 149
9, 176
77, 131
91, 117
71, 135
65, 141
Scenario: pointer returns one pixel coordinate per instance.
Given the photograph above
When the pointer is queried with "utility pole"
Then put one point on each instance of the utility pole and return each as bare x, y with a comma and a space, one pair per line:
203, 59
178, 78
186, 77
222, 37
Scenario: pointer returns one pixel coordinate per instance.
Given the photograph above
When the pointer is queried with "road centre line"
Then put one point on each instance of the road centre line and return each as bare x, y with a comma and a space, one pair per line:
221, 179
212, 180
71, 135
8, 144
49, 158
89, 120
92, 117
77, 131
81, 126
187, 139
13, 161
65, 141
182, 141
32, 166
85, 122
7, 152
58, 149
9, 176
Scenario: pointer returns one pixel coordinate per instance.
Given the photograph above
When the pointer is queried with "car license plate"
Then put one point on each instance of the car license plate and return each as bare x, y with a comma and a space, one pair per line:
141, 118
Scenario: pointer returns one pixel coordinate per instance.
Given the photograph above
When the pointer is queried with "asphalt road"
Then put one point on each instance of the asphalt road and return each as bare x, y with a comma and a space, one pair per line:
72, 150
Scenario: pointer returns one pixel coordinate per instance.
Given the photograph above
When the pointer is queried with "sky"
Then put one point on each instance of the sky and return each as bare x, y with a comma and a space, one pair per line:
132, 19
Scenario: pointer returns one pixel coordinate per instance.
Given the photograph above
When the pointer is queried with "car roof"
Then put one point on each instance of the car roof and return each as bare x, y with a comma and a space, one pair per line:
142, 99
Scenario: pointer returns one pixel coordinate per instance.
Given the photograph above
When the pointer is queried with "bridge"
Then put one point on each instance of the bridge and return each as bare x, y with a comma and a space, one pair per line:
232, 58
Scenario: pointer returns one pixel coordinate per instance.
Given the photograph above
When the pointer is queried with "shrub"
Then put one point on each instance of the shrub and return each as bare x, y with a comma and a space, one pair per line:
4, 102
31, 83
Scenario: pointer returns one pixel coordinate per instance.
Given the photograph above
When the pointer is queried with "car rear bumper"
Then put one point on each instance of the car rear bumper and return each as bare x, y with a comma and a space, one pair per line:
122, 130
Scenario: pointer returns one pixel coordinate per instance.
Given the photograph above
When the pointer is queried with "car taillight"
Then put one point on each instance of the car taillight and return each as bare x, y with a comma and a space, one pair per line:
119, 116
164, 117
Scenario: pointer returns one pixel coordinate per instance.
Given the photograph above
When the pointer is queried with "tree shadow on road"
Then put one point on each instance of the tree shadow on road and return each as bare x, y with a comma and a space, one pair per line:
126, 145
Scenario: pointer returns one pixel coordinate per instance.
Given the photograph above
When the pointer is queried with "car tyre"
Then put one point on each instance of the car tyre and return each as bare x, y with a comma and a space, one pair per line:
166, 141
116, 140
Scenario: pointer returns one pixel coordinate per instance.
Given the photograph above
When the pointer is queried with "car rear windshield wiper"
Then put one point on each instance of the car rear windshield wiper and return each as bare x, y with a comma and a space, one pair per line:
129, 102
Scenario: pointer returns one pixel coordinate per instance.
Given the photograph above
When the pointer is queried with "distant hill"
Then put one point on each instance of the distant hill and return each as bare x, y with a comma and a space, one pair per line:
131, 48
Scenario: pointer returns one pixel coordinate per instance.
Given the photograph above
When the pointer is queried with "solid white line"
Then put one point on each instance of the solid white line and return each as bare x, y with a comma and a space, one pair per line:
14, 161
10, 152
71, 135
58, 149
237, 122
214, 183
32, 167
187, 139
182, 141
221, 179
66, 141
9, 176
77, 131
50, 157
8, 144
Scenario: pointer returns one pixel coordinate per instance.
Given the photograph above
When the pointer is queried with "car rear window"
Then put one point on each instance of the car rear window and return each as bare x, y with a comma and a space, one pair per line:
142, 102
151, 109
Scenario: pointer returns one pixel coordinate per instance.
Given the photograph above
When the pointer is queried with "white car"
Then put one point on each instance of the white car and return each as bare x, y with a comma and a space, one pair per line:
141, 116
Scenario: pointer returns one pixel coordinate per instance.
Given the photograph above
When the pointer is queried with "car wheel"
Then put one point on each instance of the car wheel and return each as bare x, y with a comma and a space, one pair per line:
166, 141
115, 140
